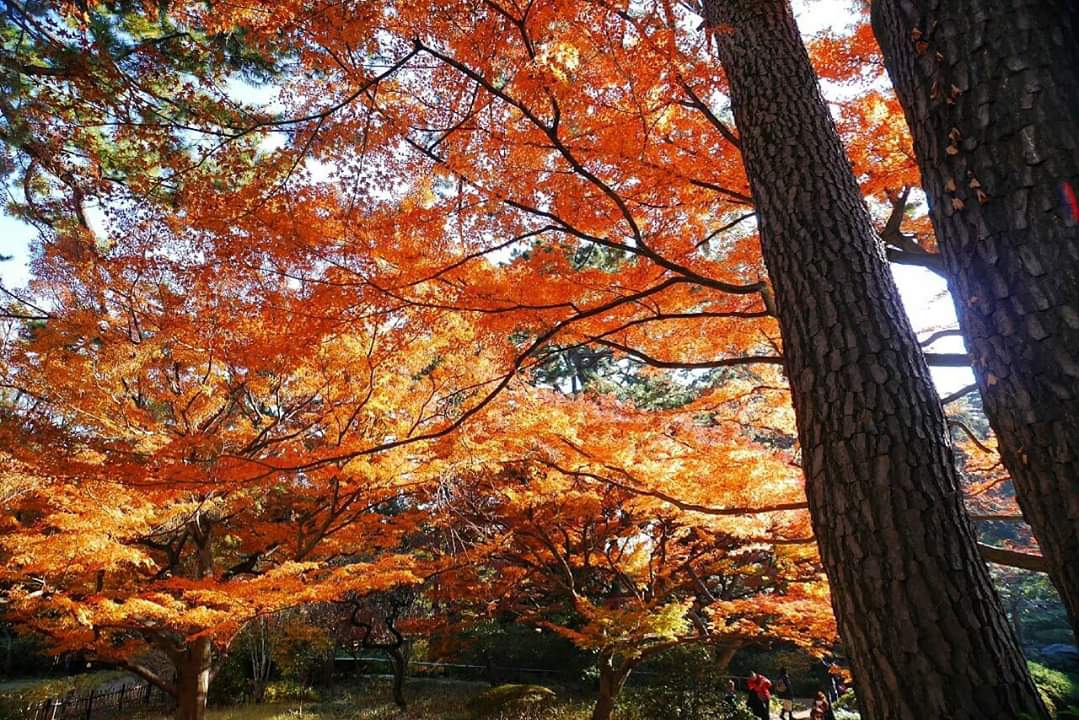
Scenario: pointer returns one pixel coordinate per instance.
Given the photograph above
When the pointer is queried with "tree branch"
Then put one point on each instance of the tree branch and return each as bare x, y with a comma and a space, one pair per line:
680, 504
1013, 558
947, 359
148, 675
697, 102
951, 332
960, 393
1004, 517
930, 261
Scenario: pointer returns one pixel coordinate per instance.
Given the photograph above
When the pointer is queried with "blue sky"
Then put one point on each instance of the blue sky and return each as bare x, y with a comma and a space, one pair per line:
15, 238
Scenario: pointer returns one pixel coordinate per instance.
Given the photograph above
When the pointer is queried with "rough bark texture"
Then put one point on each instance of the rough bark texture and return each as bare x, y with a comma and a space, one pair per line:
991, 94
918, 615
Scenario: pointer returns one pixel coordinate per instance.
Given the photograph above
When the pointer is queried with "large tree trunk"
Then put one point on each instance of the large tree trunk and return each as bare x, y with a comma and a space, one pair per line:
991, 94
913, 599
612, 677
193, 681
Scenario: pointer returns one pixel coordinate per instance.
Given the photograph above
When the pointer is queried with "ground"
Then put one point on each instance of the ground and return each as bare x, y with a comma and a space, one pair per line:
364, 699
429, 700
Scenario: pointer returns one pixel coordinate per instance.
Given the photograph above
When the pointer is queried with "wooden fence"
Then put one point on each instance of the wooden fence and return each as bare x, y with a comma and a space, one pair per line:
108, 702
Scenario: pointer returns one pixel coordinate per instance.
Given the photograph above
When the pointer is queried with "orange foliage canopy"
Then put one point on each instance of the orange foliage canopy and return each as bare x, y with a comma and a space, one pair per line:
347, 318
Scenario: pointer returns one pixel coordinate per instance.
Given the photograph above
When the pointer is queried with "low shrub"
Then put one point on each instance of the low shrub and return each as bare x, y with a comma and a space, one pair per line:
511, 700
282, 690
684, 683
1059, 690
846, 701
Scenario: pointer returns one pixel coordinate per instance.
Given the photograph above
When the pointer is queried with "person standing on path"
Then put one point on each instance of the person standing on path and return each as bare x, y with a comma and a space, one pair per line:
752, 700
760, 694
831, 688
785, 691
730, 696
822, 708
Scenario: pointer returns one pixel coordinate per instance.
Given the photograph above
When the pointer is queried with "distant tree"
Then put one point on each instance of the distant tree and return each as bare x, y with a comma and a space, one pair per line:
624, 577
380, 622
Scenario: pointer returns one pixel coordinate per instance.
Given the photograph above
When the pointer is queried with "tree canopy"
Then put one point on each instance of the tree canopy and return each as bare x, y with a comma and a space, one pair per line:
335, 300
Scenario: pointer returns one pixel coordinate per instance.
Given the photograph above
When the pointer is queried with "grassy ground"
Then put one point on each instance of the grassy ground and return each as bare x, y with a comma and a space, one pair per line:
17, 694
32, 690
370, 699
46, 688
428, 700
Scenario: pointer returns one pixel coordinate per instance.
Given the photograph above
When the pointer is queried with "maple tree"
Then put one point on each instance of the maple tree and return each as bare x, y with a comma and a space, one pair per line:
626, 576
459, 213
156, 519
155, 428
1001, 177
386, 622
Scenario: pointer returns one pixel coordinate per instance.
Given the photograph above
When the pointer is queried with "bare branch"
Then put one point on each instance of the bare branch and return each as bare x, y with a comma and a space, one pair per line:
1013, 558
960, 393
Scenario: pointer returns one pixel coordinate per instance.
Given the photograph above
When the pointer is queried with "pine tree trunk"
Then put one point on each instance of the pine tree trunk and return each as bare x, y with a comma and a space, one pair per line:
193, 682
991, 94
916, 610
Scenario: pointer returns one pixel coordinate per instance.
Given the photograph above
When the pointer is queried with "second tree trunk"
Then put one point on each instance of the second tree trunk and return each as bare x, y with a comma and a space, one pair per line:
916, 610
991, 94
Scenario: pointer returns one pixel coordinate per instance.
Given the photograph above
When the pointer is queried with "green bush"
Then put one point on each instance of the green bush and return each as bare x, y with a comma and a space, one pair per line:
506, 645
23, 655
846, 701
684, 683
510, 700
232, 683
281, 690
1059, 690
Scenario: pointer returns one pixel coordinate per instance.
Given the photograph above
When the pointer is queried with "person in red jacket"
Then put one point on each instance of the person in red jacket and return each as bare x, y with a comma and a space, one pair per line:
760, 695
